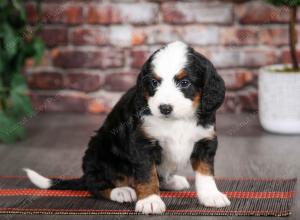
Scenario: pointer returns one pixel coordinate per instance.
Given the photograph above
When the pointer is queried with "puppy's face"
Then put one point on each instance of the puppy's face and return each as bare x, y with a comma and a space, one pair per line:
173, 97
173, 83
177, 82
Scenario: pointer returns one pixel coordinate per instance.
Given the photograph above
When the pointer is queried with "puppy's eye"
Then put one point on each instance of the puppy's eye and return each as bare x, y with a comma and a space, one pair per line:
185, 83
154, 83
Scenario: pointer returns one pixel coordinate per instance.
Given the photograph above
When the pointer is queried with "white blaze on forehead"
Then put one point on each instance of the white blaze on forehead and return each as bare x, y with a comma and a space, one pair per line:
170, 60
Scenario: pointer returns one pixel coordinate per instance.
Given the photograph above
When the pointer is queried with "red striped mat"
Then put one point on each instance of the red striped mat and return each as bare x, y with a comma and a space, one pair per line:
258, 197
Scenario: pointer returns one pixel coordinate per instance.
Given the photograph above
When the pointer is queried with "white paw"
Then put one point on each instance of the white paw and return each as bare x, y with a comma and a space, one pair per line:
123, 194
150, 205
175, 183
213, 199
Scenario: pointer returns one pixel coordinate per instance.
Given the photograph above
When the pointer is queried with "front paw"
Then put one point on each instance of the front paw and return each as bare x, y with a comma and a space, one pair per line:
150, 205
213, 199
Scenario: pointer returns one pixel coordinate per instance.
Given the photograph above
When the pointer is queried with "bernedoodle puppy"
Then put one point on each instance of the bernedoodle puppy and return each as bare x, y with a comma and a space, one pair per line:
165, 122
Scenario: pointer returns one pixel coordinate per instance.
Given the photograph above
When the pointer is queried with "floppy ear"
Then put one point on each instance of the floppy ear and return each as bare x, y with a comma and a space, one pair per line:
144, 73
142, 76
213, 91
141, 93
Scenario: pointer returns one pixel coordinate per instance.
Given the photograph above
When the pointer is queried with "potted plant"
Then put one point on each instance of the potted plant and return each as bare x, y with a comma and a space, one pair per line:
17, 43
279, 85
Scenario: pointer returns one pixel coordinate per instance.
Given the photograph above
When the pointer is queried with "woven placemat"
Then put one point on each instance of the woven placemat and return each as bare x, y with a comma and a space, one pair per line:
249, 197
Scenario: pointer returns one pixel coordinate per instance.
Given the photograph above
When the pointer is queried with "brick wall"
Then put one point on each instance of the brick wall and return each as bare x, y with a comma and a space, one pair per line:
96, 48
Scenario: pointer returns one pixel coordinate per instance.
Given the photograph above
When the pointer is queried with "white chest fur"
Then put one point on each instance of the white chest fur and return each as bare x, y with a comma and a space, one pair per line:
177, 139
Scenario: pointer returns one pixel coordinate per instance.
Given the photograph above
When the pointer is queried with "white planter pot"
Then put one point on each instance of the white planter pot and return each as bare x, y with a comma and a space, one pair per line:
279, 100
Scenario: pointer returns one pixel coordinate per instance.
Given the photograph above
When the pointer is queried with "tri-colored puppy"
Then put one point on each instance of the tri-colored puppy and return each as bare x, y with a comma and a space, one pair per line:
160, 125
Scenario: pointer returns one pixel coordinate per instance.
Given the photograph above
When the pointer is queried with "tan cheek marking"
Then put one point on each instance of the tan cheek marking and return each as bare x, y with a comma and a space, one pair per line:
146, 94
197, 99
202, 167
150, 187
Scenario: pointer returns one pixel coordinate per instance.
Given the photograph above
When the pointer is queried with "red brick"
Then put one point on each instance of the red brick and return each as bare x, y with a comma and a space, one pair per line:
241, 101
45, 80
89, 36
239, 36
121, 36
104, 14
197, 12
31, 12
120, 81
96, 58
85, 81
97, 106
231, 103
243, 58
53, 13
45, 61
237, 79
142, 13
60, 102
73, 14
54, 36
274, 36
104, 102
258, 12
286, 56
205, 51
161, 34
138, 37
237, 50
258, 57
139, 57
109, 99
248, 100
201, 35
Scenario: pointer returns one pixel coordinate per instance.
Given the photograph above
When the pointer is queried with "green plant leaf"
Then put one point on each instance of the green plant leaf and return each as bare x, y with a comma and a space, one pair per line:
1, 64
10, 40
18, 5
10, 129
16, 45
21, 104
19, 96
18, 80
39, 48
3, 3
289, 3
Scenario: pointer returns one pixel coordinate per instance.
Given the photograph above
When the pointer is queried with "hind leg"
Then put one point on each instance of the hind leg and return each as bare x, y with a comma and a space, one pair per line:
120, 192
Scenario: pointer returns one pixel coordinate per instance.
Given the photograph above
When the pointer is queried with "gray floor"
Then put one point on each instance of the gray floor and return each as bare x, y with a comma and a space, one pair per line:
56, 142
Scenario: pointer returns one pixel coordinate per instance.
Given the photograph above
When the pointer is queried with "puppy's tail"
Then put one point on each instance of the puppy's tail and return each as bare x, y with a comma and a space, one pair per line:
61, 184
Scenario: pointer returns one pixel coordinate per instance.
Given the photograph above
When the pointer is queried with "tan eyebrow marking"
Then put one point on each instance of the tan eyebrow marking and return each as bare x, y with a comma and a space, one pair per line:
181, 75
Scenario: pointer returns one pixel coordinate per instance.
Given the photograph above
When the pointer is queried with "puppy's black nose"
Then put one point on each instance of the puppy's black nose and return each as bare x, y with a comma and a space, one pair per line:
165, 109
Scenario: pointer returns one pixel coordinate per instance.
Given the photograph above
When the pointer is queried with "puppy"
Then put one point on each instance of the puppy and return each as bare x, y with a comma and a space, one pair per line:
163, 123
